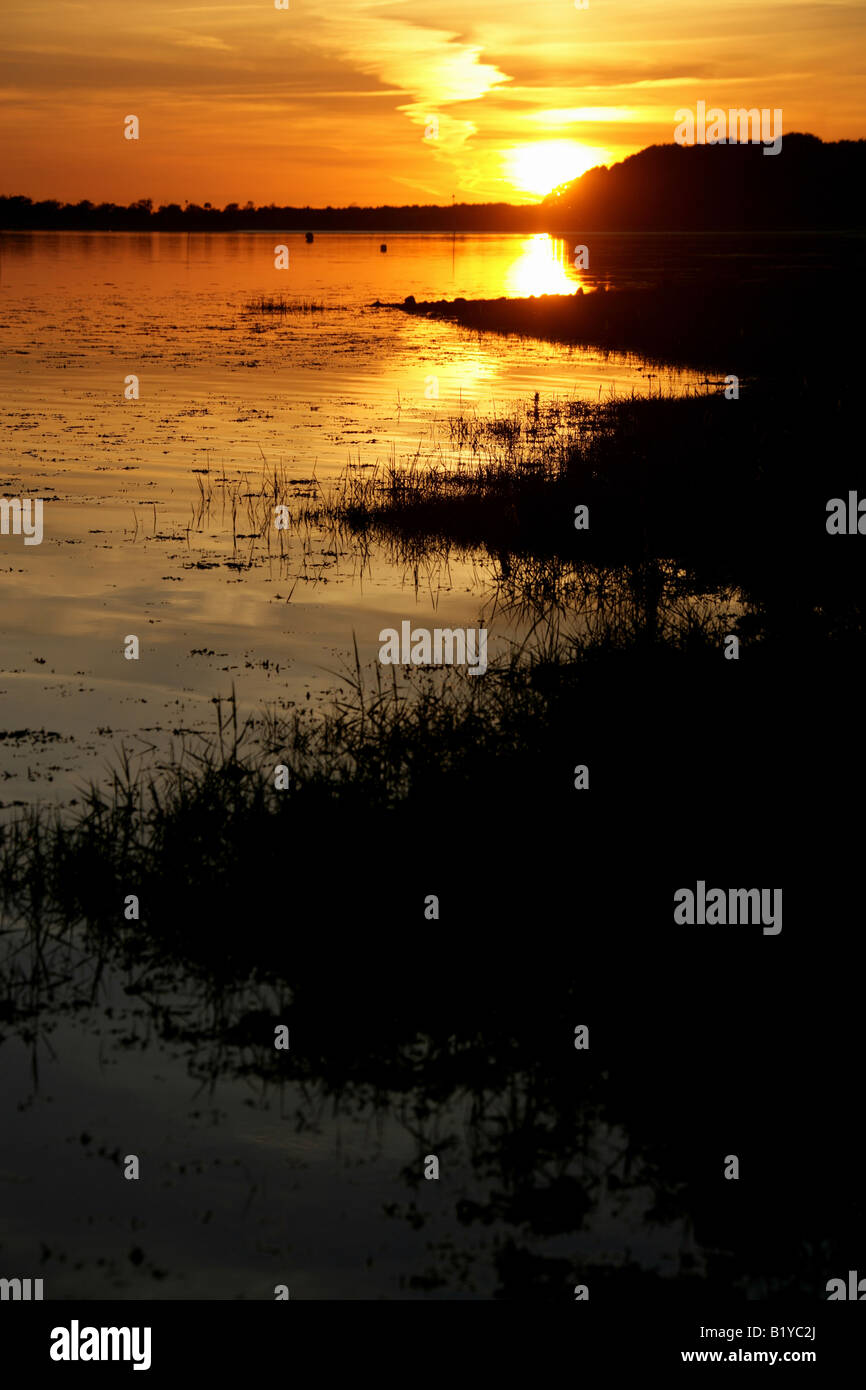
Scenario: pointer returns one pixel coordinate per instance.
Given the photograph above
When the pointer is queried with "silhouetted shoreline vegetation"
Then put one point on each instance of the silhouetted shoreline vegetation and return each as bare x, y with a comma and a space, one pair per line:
812, 184
22, 214
779, 327
307, 905
686, 489
706, 516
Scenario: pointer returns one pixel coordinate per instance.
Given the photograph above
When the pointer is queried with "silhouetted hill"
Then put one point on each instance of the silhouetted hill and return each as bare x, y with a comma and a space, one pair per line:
695, 188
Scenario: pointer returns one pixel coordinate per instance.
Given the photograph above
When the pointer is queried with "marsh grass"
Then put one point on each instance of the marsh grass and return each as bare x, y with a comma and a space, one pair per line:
307, 905
725, 496
392, 760
698, 530
702, 498
706, 517
278, 304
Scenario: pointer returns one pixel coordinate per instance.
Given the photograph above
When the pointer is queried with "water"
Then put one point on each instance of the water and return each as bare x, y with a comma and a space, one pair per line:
244, 1182
224, 394
121, 1046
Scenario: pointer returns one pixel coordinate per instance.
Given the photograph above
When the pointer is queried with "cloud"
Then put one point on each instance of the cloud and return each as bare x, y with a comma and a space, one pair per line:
434, 64
330, 100
202, 41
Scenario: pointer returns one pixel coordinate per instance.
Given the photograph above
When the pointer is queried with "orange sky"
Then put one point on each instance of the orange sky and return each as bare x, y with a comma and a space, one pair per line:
331, 102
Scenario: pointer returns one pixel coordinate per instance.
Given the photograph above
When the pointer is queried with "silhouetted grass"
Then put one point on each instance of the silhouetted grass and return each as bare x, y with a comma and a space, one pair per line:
440, 774
278, 304
555, 903
718, 494
307, 905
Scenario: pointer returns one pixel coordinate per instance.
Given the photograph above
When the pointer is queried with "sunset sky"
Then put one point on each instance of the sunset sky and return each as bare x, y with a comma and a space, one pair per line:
331, 103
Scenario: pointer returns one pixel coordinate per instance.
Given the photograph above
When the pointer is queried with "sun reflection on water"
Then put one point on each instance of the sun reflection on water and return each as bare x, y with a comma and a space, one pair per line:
543, 267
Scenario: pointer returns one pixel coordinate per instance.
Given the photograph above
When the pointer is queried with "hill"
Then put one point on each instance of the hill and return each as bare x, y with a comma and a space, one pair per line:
809, 185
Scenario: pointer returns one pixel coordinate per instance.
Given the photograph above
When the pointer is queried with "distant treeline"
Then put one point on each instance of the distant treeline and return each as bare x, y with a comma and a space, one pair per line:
18, 213
712, 188
807, 185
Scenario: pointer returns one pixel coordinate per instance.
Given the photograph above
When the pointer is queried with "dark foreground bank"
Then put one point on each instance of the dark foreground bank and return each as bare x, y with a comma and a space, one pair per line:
804, 331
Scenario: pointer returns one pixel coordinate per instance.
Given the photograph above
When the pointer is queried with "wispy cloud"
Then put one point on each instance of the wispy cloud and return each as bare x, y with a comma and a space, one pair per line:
202, 41
331, 100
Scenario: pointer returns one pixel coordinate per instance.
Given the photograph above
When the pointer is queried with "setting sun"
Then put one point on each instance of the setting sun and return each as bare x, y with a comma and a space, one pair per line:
539, 168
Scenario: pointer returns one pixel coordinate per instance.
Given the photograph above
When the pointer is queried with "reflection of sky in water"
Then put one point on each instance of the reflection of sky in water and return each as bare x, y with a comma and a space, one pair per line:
224, 391
346, 269
233, 1196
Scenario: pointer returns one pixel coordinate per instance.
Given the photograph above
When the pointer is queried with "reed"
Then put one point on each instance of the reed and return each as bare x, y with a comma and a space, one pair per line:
278, 304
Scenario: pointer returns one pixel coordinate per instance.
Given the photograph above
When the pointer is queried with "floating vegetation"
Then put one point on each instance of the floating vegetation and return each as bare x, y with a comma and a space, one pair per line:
278, 304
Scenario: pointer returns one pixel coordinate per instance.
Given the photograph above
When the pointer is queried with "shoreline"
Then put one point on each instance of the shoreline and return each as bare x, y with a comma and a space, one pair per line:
763, 328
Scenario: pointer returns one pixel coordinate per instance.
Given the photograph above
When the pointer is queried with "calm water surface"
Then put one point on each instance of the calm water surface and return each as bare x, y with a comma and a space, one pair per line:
224, 395
246, 1184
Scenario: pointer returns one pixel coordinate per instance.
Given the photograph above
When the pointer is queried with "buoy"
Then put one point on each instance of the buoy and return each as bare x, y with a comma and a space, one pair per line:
383, 247
309, 237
